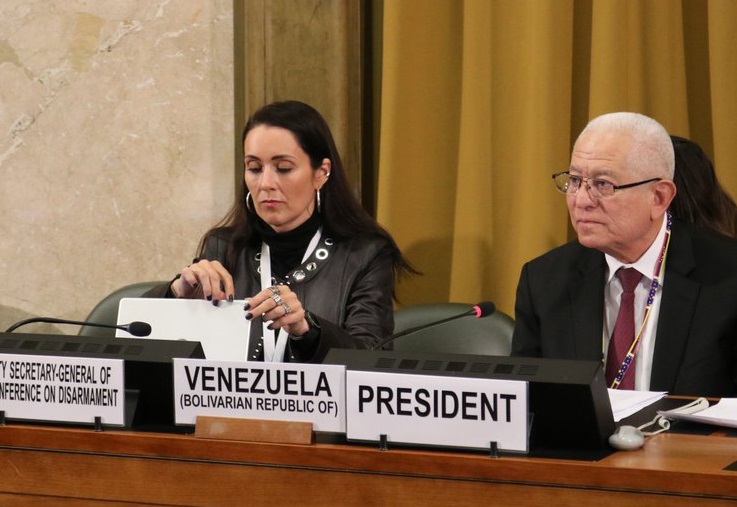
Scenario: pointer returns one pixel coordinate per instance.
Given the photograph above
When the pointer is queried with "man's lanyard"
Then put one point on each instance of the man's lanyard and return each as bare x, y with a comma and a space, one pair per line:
658, 273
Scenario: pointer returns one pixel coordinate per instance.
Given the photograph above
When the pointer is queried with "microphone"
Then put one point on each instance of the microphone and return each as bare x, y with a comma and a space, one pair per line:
135, 328
479, 310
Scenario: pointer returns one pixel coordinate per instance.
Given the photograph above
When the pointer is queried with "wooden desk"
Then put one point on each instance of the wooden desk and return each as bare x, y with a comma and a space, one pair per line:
45, 466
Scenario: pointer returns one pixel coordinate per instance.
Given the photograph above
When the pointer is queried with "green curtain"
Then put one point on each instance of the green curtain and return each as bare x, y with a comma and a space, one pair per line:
481, 101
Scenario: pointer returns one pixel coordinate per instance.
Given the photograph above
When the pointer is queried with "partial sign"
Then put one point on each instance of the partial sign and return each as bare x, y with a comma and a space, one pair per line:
63, 389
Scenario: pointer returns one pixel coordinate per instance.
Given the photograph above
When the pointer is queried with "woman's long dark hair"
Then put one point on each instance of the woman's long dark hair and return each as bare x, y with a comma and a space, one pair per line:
341, 213
700, 198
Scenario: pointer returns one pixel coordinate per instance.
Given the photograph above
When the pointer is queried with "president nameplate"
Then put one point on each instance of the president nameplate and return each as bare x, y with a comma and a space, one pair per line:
568, 404
62, 389
466, 413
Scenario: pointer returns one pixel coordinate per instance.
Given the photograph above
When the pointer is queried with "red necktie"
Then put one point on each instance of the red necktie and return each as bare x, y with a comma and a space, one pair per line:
624, 330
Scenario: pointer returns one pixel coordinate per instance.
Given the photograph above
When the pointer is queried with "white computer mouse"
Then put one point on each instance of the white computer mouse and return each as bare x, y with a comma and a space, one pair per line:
627, 438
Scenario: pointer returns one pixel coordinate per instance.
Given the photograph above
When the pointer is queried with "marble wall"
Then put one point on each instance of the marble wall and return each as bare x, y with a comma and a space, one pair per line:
116, 144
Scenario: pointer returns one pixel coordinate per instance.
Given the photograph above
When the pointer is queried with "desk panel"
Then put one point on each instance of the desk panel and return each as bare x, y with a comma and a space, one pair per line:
59, 466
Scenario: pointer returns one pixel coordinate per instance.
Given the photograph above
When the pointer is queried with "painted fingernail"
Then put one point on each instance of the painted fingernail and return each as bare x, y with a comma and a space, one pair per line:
249, 315
247, 305
209, 298
216, 302
230, 298
270, 326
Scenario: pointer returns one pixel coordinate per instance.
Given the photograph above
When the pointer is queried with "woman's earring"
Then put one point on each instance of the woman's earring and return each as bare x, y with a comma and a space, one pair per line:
317, 192
248, 205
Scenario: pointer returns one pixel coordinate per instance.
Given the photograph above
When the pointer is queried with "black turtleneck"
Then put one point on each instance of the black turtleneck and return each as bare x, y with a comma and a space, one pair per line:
288, 248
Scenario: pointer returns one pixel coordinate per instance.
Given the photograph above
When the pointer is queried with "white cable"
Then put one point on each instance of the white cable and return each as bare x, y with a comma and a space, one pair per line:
690, 408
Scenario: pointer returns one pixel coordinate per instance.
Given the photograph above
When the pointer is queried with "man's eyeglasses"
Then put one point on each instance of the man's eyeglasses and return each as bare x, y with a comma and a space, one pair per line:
568, 183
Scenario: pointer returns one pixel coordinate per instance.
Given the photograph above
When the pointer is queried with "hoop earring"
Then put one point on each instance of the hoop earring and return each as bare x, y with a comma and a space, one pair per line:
248, 205
317, 192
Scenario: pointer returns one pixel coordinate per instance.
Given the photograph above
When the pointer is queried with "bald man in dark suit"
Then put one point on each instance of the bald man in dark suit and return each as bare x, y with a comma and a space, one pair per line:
618, 189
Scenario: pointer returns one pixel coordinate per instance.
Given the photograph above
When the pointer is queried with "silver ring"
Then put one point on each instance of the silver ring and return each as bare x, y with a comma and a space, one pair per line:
286, 307
275, 290
277, 299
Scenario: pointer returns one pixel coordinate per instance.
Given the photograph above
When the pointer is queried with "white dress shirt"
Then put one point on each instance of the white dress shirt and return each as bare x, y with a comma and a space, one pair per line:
647, 264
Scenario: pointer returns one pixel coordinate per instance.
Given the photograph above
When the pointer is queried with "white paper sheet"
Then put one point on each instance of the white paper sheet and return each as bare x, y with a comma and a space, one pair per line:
723, 413
223, 330
626, 402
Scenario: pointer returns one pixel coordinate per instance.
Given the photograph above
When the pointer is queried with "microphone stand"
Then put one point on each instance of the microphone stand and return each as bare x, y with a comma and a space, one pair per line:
480, 310
421, 327
138, 329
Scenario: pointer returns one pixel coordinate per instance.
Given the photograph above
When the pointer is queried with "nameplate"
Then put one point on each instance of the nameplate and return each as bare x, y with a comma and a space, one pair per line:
62, 389
280, 391
467, 413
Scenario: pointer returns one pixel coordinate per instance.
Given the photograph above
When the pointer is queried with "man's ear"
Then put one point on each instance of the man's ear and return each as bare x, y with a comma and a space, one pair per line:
665, 191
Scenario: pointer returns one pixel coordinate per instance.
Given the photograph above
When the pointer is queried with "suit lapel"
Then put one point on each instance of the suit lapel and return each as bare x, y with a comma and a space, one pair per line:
680, 294
586, 292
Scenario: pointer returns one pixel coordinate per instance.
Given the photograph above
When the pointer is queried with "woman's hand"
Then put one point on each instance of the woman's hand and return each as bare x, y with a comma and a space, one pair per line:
281, 306
204, 279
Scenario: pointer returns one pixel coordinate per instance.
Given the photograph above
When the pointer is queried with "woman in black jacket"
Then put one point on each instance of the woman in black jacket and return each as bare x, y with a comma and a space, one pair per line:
315, 269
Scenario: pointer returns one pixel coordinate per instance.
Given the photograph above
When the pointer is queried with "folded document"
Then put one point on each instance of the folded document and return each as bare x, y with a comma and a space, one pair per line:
723, 413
